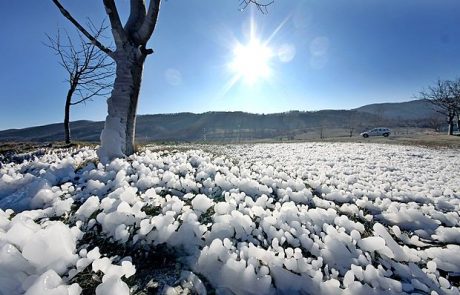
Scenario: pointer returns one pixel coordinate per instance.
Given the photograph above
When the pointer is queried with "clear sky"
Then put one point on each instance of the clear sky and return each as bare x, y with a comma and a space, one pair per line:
335, 54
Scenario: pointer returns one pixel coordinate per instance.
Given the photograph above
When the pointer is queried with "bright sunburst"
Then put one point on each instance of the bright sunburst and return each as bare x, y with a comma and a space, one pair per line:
251, 62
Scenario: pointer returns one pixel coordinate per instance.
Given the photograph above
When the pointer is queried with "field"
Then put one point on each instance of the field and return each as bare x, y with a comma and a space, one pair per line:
400, 136
275, 218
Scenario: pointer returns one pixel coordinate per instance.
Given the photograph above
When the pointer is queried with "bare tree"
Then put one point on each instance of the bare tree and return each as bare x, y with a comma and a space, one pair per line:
435, 122
455, 92
445, 96
89, 71
351, 123
117, 137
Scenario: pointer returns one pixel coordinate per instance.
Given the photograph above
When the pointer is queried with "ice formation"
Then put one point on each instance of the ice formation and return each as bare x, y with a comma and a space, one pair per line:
318, 218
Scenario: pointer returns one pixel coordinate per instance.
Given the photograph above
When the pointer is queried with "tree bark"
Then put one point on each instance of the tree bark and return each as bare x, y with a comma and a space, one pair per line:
450, 129
458, 123
117, 137
68, 103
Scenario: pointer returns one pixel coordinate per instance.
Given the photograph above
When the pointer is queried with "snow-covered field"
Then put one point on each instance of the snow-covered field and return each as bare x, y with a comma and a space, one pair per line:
312, 218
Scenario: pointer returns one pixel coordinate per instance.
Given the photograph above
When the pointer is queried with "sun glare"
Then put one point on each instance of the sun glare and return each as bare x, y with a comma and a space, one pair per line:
251, 62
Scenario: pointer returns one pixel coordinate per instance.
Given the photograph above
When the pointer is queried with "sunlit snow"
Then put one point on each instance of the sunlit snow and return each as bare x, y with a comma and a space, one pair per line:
311, 218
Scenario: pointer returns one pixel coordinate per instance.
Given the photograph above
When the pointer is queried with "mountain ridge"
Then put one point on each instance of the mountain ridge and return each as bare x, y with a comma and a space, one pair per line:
222, 126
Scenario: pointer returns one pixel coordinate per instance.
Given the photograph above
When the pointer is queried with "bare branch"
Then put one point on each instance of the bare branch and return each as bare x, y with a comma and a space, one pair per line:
148, 26
99, 92
90, 71
136, 16
93, 40
261, 6
118, 32
56, 46
445, 97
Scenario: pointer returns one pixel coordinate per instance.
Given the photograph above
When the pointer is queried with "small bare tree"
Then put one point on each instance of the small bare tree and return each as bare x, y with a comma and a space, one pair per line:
445, 96
435, 122
351, 123
89, 70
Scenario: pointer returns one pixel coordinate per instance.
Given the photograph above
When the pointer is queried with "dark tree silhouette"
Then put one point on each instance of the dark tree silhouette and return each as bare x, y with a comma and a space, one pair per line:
89, 70
445, 97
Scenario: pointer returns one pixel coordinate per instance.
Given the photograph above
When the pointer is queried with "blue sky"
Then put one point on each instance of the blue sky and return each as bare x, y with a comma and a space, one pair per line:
347, 54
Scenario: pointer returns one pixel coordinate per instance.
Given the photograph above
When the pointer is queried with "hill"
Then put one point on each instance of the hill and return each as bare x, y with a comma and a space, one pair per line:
411, 110
230, 126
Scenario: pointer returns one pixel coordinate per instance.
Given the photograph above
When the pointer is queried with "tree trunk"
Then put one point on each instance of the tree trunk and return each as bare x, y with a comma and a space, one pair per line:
458, 123
117, 137
67, 115
450, 129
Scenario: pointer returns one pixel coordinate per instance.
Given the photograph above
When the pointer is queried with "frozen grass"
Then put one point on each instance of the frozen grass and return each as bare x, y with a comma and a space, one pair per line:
313, 218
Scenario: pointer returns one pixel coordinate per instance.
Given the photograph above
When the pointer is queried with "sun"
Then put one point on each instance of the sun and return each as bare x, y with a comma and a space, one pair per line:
251, 62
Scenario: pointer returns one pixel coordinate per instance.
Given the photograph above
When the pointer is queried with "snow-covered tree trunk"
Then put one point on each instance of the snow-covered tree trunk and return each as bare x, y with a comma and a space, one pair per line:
117, 137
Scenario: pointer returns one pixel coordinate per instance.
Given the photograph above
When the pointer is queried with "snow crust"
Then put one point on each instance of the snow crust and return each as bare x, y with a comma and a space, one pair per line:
316, 218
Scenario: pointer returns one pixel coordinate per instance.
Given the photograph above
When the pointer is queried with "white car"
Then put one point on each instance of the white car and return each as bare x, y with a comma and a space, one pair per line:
377, 132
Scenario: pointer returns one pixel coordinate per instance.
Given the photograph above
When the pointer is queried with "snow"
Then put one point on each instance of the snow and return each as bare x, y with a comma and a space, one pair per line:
201, 203
112, 138
89, 207
322, 218
51, 283
371, 244
51, 248
112, 286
